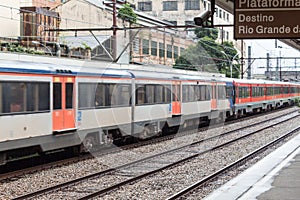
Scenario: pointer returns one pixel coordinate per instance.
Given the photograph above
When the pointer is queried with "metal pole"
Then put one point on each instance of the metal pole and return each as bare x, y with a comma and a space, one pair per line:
277, 67
280, 75
242, 59
268, 66
249, 62
296, 68
36, 42
213, 7
114, 30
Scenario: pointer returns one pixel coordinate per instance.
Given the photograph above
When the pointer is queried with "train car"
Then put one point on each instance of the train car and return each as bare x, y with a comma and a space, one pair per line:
45, 106
76, 106
259, 95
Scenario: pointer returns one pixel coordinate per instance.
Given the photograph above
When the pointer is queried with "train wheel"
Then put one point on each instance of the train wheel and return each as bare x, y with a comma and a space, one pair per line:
88, 143
3, 158
145, 133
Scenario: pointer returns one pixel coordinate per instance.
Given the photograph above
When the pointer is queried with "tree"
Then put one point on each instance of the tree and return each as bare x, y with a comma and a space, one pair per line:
208, 55
207, 32
126, 13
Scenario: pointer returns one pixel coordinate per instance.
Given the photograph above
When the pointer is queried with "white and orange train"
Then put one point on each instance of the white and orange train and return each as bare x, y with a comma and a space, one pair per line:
46, 106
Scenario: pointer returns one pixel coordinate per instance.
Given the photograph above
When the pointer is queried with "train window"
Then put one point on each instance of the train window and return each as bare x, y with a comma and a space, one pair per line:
32, 97
254, 91
285, 90
120, 94
150, 94
221, 92
197, 96
57, 89
69, 95
112, 99
125, 91
277, 90
257, 91
244, 92
24, 97
203, 91
188, 93
208, 92
185, 93
44, 96
176, 93
191, 97
229, 92
38, 96
159, 94
270, 91
13, 99
293, 90
86, 94
140, 94
167, 94
100, 99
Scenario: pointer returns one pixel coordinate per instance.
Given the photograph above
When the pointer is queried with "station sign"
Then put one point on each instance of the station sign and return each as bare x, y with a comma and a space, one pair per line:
266, 19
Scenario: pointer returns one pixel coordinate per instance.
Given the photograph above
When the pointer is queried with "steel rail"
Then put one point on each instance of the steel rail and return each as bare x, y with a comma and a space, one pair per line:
109, 150
78, 180
229, 167
132, 180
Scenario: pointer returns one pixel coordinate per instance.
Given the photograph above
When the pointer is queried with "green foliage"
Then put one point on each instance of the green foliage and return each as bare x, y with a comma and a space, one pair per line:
208, 55
297, 102
207, 32
16, 48
126, 13
86, 46
21, 49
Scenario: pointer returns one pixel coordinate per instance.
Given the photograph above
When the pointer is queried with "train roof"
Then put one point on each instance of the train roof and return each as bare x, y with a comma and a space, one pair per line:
258, 81
46, 68
54, 65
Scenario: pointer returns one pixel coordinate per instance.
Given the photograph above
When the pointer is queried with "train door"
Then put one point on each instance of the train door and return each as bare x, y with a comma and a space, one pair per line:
214, 102
63, 104
176, 98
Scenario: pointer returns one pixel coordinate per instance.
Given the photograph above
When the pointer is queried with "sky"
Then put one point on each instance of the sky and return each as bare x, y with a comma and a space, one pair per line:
260, 48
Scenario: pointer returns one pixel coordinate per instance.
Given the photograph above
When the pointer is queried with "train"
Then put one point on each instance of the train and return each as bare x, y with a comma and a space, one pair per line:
79, 105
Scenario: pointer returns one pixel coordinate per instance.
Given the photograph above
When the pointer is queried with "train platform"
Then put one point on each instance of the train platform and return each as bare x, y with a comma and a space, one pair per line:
275, 177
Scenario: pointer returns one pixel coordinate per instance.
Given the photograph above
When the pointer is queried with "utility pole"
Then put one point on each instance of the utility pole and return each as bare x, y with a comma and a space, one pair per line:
280, 75
296, 69
268, 66
242, 59
213, 8
249, 63
277, 68
114, 44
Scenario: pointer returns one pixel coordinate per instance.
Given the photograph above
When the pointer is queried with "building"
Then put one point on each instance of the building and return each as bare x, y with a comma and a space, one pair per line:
35, 23
153, 46
183, 13
9, 19
41, 3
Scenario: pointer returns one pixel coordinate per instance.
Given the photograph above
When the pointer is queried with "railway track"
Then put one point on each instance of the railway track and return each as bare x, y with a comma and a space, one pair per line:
102, 182
183, 194
31, 166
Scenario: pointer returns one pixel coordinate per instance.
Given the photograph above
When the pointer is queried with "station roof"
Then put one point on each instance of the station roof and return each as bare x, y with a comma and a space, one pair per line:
228, 5
78, 41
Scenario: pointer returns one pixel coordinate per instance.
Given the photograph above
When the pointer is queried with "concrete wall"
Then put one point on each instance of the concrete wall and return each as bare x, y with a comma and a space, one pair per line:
9, 18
